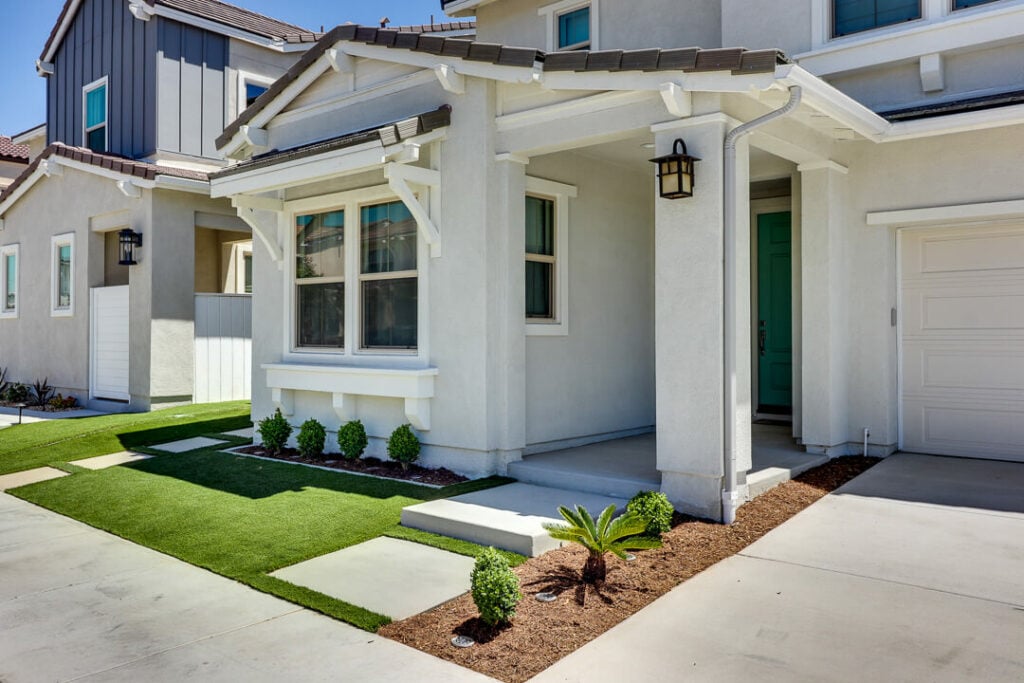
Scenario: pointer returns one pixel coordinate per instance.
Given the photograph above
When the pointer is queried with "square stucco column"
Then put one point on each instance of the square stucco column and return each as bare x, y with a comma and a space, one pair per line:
689, 324
824, 294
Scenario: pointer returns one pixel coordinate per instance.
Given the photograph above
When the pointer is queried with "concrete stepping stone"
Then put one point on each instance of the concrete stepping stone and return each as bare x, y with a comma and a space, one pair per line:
385, 575
246, 433
102, 462
189, 444
13, 481
509, 517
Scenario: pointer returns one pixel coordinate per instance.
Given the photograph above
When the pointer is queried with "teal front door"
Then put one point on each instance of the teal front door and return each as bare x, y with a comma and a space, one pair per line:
775, 313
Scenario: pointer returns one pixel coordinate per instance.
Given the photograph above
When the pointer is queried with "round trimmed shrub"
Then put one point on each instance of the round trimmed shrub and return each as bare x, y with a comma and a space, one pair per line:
495, 588
274, 432
312, 436
404, 446
652, 507
352, 439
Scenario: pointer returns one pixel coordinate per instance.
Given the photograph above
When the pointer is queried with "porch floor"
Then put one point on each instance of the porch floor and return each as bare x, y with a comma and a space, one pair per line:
622, 467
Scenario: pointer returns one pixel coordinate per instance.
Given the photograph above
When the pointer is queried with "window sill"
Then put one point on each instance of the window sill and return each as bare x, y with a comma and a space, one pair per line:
62, 313
551, 329
345, 383
8, 315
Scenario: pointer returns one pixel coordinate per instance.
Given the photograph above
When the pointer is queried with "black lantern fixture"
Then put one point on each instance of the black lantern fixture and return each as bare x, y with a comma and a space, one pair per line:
128, 239
675, 172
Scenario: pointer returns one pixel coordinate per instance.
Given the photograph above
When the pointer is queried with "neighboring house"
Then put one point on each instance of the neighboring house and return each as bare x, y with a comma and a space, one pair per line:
13, 160
137, 92
34, 139
469, 236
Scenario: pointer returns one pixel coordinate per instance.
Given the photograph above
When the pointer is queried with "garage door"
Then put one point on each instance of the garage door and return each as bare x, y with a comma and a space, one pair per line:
110, 343
963, 341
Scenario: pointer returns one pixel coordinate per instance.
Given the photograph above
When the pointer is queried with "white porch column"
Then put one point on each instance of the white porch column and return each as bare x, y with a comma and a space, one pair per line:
689, 315
823, 288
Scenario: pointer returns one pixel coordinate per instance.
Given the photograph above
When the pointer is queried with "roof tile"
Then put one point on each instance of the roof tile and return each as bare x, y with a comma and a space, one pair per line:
12, 152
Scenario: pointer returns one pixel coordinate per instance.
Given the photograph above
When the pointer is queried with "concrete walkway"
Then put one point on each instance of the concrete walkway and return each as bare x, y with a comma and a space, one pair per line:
79, 604
912, 572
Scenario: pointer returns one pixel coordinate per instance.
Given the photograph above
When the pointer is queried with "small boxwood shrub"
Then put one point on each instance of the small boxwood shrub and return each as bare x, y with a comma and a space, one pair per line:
404, 446
274, 432
652, 507
495, 588
352, 439
16, 393
312, 437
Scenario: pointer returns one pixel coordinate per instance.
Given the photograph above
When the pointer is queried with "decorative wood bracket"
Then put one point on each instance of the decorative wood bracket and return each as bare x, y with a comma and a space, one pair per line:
451, 80
399, 179
679, 102
140, 10
262, 216
51, 168
340, 61
129, 189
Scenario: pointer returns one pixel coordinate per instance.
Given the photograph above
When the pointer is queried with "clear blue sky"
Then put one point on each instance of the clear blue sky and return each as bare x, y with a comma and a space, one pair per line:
28, 23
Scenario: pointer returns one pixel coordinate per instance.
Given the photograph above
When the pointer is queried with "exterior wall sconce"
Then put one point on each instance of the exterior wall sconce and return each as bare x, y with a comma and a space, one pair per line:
128, 239
675, 172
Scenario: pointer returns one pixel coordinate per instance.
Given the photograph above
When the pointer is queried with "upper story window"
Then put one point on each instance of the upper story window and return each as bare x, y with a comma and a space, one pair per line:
252, 92
964, 4
9, 281
95, 115
854, 16
250, 87
574, 29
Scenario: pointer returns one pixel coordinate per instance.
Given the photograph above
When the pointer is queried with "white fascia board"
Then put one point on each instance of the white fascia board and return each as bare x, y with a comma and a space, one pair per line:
655, 81
961, 213
425, 60
828, 100
571, 108
956, 123
30, 135
276, 105
62, 30
170, 182
960, 30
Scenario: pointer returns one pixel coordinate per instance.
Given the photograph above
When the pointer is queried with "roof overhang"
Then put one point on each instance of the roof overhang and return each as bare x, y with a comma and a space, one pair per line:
463, 8
25, 137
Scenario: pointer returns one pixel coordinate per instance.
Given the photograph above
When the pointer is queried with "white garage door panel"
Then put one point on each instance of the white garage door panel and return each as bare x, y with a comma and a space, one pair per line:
110, 343
962, 295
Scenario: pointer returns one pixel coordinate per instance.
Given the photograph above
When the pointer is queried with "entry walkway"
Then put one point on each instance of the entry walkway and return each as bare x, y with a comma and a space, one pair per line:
77, 603
911, 572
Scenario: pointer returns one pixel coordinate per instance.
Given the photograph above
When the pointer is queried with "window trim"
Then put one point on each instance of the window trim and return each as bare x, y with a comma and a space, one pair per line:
86, 89
552, 12
5, 251
245, 78
56, 242
351, 203
560, 194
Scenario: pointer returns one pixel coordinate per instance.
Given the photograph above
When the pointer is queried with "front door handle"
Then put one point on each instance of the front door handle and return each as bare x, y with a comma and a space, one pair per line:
762, 337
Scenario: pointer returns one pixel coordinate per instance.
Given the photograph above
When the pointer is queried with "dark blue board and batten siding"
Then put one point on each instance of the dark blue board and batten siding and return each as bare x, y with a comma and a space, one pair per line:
106, 40
166, 82
191, 71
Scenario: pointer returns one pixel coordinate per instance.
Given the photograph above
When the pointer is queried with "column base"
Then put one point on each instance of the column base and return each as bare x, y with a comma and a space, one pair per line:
694, 494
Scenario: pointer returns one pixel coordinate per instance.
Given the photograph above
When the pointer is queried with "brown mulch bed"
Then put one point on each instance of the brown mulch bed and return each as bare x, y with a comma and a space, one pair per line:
40, 409
543, 633
373, 466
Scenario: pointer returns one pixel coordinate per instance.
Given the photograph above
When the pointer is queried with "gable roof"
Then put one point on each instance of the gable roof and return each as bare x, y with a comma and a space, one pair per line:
9, 151
216, 11
108, 162
737, 60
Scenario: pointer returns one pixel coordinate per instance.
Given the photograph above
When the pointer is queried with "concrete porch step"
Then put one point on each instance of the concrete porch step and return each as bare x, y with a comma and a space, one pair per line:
571, 475
508, 517
782, 469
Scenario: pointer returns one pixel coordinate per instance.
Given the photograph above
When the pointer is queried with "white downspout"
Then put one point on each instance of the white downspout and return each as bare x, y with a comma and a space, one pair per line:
730, 494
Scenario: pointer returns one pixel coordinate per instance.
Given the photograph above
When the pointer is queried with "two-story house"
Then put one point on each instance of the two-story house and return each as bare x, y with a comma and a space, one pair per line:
124, 284
471, 236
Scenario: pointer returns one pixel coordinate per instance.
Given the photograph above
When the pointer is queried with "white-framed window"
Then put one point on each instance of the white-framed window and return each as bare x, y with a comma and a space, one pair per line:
571, 25
354, 276
9, 276
250, 87
967, 4
857, 16
547, 257
95, 104
62, 279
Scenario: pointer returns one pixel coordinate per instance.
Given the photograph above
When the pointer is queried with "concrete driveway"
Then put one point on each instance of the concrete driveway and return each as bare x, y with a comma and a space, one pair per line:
77, 603
912, 572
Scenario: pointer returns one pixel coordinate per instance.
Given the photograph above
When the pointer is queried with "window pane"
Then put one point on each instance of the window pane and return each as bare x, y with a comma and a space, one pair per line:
320, 245
388, 238
539, 287
322, 315
540, 226
247, 261
574, 27
96, 140
390, 313
10, 288
64, 276
852, 16
253, 91
96, 106
964, 4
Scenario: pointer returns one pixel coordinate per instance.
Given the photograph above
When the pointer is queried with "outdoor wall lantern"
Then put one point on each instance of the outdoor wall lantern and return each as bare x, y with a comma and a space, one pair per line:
128, 239
675, 172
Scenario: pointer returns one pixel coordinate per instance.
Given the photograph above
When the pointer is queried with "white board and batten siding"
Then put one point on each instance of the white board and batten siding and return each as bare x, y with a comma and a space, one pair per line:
223, 347
962, 337
109, 330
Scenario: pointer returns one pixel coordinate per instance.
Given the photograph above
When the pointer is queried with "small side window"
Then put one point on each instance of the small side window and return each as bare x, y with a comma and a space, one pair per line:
9, 281
62, 299
574, 29
252, 92
95, 113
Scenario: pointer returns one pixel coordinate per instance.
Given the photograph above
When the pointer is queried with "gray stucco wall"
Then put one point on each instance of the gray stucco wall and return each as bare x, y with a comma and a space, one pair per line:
105, 40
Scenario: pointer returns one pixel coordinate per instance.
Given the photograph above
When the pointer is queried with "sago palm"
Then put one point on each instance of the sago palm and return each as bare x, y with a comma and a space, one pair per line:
606, 535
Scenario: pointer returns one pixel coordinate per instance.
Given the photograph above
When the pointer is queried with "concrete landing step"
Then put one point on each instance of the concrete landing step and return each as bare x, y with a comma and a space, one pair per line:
545, 472
768, 478
508, 517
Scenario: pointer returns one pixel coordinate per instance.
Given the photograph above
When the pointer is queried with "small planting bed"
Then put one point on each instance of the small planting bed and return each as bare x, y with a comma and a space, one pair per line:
543, 633
372, 466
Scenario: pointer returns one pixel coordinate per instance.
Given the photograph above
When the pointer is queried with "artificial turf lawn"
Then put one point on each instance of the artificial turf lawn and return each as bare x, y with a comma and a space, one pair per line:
244, 518
24, 447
